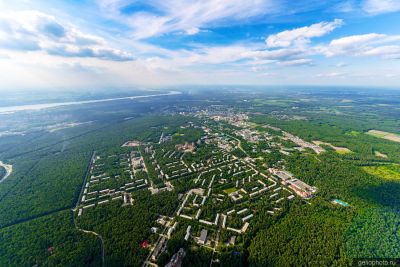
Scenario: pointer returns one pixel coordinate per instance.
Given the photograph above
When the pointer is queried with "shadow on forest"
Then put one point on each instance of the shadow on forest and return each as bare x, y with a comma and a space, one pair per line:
386, 194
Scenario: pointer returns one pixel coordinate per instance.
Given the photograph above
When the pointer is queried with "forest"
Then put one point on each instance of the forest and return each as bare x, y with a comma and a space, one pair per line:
51, 240
123, 229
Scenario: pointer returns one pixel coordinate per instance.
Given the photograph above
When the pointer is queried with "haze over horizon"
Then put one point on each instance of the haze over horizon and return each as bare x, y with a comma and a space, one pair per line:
122, 43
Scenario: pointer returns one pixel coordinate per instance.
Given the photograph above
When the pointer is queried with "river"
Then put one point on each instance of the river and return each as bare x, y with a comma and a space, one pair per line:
12, 109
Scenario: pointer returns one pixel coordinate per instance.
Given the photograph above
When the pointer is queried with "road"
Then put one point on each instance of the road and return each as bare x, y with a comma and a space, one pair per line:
147, 261
76, 207
85, 179
215, 248
237, 139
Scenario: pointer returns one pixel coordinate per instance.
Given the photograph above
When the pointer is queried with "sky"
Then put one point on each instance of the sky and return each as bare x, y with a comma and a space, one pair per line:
72, 44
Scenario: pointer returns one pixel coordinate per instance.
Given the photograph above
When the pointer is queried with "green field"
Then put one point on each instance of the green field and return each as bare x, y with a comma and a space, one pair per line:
353, 133
390, 172
273, 102
230, 190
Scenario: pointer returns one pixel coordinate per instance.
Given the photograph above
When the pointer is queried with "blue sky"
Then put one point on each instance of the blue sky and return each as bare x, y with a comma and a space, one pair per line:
62, 44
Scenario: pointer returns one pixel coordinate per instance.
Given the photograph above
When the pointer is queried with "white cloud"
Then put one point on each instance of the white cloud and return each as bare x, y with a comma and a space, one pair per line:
277, 54
391, 51
351, 44
371, 44
345, 7
60, 53
32, 30
296, 62
185, 16
331, 74
342, 65
302, 35
192, 31
210, 55
381, 6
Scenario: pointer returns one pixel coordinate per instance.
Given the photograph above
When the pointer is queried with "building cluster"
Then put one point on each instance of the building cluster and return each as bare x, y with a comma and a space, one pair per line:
236, 119
96, 190
299, 187
177, 258
304, 144
165, 138
224, 184
251, 136
187, 147
246, 183
132, 144
222, 141
137, 162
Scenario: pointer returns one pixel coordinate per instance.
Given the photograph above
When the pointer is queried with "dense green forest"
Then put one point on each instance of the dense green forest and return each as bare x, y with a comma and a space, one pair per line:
339, 132
123, 229
368, 228
48, 241
374, 233
308, 235
53, 183
335, 231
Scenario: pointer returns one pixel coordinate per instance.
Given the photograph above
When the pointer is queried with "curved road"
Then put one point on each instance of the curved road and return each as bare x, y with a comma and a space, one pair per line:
97, 235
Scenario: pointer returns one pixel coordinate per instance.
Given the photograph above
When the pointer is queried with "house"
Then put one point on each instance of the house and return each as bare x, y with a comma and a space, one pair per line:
301, 188
203, 237
144, 243
159, 249
177, 258
188, 231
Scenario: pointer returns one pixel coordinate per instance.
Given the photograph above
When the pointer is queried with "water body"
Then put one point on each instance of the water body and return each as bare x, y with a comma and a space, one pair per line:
12, 109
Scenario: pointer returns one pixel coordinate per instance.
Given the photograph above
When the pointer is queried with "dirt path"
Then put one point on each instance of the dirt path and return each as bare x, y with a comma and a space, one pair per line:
95, 234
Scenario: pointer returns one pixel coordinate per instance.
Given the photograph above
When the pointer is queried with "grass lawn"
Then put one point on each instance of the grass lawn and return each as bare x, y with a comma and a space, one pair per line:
342, 150
230, 190
353, 133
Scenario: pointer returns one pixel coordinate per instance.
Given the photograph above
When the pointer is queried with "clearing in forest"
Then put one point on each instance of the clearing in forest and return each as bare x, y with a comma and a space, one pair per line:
8, 170
390, 172
379, 154
385, 135
340, 150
